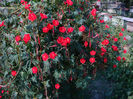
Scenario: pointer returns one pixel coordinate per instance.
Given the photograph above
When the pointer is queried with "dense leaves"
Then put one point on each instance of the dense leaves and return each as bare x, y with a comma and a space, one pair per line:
50, 48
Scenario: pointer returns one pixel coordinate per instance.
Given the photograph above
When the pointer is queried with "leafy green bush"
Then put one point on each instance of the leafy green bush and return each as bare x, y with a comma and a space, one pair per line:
52, 49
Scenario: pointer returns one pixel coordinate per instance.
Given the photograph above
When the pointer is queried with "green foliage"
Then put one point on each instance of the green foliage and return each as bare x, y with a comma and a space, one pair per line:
66, 69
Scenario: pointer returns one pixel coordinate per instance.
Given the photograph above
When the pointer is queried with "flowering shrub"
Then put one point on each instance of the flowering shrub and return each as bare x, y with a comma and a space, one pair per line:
46, 46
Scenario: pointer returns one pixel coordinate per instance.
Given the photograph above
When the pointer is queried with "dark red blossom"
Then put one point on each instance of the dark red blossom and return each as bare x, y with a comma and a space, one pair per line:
82, 28
45, 29
105, 60
118, 58
82, 60
43, 16
50, 26
92, 52
60, 40
70, 30
34, 70
13, 73
52, 55
114, 48
105, 42
62, 29
85, 43
18, 38
45, 57
57, 86
92, 60
93, 12
26, 38
114, 66
120, 34
32, 17
55, 22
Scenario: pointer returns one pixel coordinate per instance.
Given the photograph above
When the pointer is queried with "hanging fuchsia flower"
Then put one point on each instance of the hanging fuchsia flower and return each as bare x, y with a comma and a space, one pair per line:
32, 17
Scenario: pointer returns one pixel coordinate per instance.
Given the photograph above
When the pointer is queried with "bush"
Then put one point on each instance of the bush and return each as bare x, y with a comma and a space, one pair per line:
53, 49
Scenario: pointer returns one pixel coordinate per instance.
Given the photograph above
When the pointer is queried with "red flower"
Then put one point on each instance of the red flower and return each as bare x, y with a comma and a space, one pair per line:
18, 38
118, 58
26, 38
13, 73
34, 70
55, 22
57, 86
115, 39
114, 66
93, 12
0, 97
122, 29
32, 17
105, 60
64, 43
102, 54
82, 28
120, 34
103, 49
22, 1
124, 58
43, 16
45, 57
106, 26
62, 29
101, 21
125, 51
60, 40
82, 60
50, 26
124, 38
45, 29
68, 40
2, 91
70, 30
85, 43
27, 6
52, 55
2, 24
105, 42
69, 2
92, 60
114, 48
92, 52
